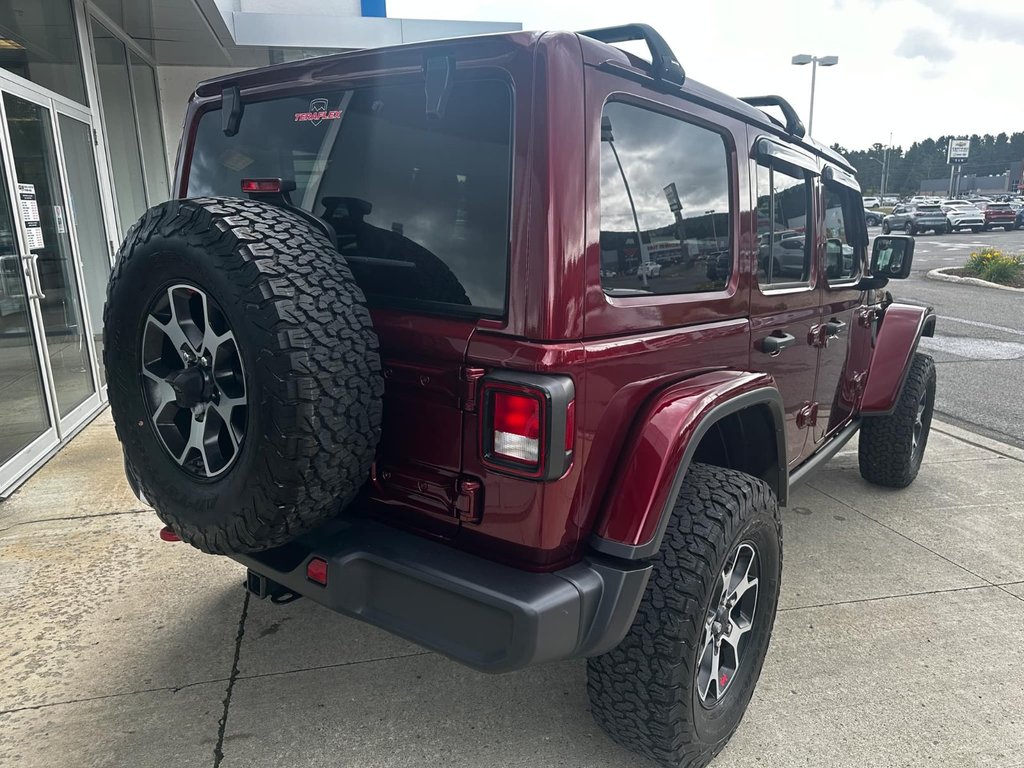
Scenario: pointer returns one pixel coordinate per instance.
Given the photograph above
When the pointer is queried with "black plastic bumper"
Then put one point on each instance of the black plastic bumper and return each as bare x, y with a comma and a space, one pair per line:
488, 616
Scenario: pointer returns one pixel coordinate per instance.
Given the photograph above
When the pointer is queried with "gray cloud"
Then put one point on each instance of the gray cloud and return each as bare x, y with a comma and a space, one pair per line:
918, 42
973, 22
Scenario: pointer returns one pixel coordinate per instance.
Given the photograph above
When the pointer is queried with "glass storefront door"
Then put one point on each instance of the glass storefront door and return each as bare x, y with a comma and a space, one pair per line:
51, 225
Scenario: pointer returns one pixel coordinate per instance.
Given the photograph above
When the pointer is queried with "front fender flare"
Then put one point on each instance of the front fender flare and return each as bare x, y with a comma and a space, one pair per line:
898, 335
665, 437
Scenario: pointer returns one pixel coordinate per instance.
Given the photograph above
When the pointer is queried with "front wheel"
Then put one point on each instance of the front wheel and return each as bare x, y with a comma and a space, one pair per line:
949, 228
885, 227
976, 230
909, 228
677, 686
891, 447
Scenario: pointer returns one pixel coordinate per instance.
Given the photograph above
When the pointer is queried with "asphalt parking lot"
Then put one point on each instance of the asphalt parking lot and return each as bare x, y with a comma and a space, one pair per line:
897, 642
979, 339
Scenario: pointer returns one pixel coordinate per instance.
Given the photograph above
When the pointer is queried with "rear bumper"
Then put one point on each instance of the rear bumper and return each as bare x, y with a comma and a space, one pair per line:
486, 615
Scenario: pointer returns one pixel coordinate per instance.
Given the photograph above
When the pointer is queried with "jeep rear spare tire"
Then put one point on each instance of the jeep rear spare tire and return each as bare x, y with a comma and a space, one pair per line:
244, 374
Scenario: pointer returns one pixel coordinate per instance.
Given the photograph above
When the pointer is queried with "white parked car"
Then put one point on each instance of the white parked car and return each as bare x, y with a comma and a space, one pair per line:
872, 202
961, 214
651, 268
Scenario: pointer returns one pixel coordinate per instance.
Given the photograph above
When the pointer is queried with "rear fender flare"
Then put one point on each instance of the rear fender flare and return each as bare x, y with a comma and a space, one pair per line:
662, 445
900, 330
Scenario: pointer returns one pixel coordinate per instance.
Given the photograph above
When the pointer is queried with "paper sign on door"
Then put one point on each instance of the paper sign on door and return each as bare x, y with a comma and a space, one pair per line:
30, 216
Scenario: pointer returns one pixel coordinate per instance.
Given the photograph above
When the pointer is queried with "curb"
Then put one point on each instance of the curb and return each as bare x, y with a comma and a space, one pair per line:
939, 274
973, 438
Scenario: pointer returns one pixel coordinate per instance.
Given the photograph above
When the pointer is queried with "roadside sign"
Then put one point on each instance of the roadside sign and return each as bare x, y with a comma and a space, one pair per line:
959, 149
672, 195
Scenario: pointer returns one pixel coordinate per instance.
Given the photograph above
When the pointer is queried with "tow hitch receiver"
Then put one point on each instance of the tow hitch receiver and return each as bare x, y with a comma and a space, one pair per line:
262, 587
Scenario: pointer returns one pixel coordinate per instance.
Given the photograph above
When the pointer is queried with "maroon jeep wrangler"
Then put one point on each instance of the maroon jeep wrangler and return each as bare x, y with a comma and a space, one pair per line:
514, 346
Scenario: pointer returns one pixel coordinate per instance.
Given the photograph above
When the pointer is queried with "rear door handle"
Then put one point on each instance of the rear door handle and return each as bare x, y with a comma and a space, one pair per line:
834, 328
778, 341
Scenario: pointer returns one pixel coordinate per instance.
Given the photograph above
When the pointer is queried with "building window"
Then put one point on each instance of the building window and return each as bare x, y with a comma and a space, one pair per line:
845, 242
783, 252
131, 117
38, 42
665, 205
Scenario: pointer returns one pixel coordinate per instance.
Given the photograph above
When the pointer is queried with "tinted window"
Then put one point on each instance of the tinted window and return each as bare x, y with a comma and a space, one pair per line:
665, 217
38, 41
421, 207
844, 234
783, 253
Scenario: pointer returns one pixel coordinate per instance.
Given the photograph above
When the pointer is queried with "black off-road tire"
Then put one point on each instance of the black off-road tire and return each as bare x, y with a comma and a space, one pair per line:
888, 453
886, 229
644, 692
308, 352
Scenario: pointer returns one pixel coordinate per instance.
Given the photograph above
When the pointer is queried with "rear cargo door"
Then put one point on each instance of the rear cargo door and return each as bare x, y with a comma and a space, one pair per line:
420, 455
417, 192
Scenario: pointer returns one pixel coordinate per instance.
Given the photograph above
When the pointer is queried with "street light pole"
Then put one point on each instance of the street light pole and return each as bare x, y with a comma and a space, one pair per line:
825, 61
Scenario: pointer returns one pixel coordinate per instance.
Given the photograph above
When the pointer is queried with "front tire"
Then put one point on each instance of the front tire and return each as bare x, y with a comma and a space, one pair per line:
677, 686
891, 447
885, 227
909, 228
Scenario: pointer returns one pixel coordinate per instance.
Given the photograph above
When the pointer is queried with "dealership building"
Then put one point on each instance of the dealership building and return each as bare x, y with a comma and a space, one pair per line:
92, 97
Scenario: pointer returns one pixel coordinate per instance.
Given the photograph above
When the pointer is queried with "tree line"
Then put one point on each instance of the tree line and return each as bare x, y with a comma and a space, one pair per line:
927, 160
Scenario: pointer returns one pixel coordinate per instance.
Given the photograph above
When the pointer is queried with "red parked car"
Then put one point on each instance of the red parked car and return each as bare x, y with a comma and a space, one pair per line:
398, 346
999, 215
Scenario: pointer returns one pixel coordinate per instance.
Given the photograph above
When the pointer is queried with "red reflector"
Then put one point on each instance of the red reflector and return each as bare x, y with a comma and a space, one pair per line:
317, 571
261, 185
166, 534
570, 424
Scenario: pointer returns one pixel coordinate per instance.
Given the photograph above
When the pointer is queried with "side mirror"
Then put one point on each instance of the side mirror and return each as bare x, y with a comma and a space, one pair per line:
891, 259
892, 256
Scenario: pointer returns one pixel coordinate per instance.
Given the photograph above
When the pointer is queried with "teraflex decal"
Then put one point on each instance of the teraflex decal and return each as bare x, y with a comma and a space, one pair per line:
318, 112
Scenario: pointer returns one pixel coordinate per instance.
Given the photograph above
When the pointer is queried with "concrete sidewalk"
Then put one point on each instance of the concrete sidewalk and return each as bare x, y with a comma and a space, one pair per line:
898, 642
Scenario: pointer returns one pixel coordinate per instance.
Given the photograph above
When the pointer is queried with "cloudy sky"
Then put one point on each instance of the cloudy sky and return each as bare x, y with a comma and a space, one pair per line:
916, 68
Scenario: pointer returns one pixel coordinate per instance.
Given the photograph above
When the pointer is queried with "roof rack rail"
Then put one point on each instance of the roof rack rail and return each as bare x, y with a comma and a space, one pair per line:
794, 125
664, 65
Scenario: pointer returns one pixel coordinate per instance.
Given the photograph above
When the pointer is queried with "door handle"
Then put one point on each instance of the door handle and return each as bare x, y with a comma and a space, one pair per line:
834, 327
33, 260
774, 344
30, 282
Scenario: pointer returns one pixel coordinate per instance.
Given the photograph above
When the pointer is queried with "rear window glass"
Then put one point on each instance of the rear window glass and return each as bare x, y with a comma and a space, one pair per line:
999, 206
928, 208
420, 206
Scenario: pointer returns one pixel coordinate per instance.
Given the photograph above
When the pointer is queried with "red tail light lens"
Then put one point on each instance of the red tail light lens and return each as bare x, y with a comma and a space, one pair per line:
516, 424
261, 185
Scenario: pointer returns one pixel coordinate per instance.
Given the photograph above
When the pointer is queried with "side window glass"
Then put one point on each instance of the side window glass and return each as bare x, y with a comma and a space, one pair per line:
665, 215
843, 233
783, 251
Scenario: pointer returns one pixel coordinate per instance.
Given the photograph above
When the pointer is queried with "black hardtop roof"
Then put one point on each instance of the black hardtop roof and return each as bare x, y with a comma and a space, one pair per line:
410, 55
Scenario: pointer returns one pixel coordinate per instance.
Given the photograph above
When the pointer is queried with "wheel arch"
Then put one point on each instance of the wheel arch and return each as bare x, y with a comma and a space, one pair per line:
898, 336
729, 419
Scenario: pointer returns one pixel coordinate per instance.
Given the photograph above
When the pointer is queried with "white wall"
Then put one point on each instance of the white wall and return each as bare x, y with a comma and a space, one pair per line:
177, 84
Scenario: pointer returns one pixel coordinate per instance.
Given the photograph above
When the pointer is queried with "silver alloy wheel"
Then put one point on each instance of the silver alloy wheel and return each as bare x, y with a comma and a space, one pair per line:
194, 381
729, 620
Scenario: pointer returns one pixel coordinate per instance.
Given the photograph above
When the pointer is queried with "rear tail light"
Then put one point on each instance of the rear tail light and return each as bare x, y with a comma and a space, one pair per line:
516, 425
527, 424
